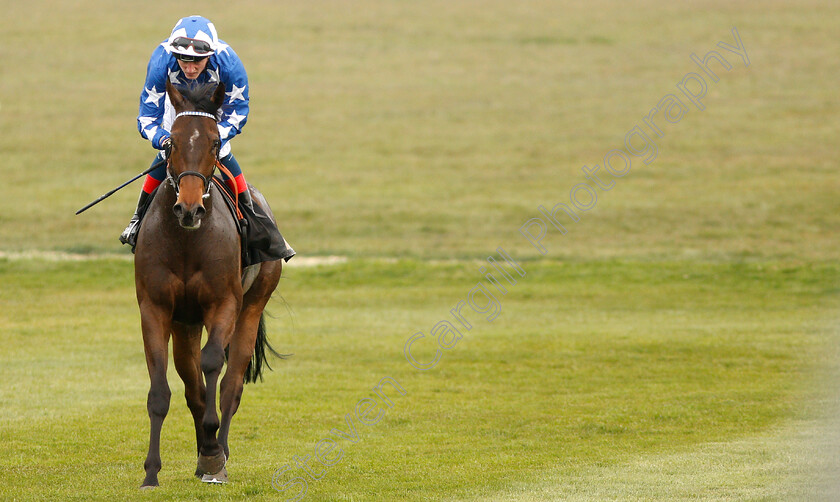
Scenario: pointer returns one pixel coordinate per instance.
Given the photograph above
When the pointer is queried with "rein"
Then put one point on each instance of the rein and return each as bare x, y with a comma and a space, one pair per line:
235, 197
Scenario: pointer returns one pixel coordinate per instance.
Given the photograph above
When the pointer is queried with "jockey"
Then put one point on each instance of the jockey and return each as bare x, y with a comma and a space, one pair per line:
193, 53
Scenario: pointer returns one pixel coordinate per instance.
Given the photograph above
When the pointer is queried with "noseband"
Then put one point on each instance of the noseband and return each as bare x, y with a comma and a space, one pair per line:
176, 182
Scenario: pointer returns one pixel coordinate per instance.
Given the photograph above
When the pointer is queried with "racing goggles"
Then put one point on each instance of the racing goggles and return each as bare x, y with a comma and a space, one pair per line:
188, 58
200, 47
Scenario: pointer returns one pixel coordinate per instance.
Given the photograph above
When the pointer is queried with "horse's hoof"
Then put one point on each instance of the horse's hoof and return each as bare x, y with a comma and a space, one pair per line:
211, 465
149, 483
219, 478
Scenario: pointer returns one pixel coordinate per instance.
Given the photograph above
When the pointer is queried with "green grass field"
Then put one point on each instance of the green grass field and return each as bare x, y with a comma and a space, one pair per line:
679, 342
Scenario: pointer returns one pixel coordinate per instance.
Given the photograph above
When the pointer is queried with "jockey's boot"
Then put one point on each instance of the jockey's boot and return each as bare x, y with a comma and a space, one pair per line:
129, 235
245, 199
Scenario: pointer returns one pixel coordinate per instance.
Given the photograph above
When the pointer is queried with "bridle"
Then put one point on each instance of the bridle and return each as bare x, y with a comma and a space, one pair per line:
176, 181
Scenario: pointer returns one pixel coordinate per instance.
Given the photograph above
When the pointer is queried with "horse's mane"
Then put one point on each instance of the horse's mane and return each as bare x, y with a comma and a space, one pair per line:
200, 96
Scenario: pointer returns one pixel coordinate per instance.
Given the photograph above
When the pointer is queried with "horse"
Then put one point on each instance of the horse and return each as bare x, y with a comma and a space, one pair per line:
189, 276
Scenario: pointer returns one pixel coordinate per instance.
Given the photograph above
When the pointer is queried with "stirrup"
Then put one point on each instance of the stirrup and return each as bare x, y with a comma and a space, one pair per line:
129, 235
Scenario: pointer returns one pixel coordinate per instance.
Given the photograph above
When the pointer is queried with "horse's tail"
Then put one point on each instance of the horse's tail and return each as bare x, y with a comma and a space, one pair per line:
261, 350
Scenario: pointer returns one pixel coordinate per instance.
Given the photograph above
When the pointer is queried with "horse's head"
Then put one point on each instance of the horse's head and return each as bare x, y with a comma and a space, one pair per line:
195, 148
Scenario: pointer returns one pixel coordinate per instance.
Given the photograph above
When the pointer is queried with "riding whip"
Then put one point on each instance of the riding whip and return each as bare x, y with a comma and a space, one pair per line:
151, 168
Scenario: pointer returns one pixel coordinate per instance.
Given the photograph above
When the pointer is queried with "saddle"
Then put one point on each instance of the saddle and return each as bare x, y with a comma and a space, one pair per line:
259, 236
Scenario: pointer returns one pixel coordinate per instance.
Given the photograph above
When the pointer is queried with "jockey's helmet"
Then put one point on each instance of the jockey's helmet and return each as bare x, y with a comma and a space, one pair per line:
193, 38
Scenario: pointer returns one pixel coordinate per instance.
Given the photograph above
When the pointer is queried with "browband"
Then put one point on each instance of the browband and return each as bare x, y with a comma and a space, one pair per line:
198, 114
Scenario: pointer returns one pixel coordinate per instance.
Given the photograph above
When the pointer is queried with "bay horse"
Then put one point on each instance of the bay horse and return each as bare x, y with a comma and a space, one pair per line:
189, 276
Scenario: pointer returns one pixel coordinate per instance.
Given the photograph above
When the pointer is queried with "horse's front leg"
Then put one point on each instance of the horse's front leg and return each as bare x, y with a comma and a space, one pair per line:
156, 327
220, 323
186, 351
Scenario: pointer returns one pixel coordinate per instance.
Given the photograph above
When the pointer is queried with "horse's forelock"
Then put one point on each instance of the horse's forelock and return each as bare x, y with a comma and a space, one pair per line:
200, 96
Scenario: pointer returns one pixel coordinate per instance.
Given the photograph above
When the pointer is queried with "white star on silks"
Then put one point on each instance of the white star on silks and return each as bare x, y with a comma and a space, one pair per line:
236, 93
173, 76
214, 75
221, 47
150, 133
146, 121
234, 119
154, 96
224, 131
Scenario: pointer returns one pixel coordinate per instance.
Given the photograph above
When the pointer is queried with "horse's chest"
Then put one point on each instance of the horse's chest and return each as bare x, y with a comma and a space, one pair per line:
199, 292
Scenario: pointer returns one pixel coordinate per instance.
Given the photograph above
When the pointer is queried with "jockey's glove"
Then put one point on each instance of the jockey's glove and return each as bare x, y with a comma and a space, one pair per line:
166, 143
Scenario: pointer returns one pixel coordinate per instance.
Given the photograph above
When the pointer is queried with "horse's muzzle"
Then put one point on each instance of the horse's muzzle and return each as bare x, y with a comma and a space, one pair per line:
189, 215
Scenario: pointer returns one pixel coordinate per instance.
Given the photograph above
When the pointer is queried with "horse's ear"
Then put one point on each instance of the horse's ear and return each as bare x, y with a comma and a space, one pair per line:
219, 95
174, 96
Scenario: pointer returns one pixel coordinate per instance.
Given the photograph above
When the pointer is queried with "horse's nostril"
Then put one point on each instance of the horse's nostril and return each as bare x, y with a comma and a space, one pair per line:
199, 212
178, 209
